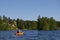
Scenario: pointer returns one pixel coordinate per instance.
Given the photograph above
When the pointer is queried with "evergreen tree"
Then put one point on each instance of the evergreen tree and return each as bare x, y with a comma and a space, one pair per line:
39, 23
18, 23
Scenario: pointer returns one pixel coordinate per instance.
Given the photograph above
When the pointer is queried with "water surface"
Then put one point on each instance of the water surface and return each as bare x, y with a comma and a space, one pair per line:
30, 35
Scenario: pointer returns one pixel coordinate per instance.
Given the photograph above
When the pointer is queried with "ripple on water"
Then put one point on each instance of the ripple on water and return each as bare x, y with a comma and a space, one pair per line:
30, 35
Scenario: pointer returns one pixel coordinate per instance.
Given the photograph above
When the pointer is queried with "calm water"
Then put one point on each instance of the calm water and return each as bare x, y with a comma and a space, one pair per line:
30, 35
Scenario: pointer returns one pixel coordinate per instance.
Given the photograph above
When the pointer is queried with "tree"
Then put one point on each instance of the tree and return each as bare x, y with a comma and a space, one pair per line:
18, 24
39, 23
34, 25
53, 24
0, 20
21, 24
28, 24
45, 23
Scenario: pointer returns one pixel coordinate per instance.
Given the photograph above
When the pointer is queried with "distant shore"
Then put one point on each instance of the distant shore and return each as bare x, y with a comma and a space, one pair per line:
42, 23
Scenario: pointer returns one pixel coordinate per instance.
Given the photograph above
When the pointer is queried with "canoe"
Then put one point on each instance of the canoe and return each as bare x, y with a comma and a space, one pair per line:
19, 33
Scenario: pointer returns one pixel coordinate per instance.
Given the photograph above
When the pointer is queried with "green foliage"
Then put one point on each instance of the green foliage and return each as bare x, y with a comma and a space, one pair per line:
6, 23
34, 25
39, 23
18, 24
53, 24
42, 23
45, 23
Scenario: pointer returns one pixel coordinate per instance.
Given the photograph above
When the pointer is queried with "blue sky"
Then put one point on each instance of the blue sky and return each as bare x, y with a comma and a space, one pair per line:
30, 9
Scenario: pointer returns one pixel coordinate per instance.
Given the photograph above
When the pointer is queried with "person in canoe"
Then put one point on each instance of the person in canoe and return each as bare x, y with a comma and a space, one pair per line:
19, 32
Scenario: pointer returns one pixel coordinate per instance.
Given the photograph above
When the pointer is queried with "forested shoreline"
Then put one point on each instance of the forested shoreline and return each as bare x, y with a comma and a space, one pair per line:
42, 23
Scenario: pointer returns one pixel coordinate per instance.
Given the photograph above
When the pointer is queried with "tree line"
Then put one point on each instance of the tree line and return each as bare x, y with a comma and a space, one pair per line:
42, 23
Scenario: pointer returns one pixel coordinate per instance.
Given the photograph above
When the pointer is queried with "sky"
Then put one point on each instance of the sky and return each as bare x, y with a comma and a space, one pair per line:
30, 9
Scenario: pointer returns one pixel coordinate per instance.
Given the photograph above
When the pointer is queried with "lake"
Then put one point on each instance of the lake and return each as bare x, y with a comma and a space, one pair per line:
30, 35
